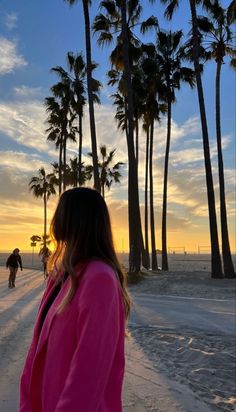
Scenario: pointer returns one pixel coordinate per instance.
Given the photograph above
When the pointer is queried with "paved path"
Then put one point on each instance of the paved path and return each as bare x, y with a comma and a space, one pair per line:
212, 315
145, 389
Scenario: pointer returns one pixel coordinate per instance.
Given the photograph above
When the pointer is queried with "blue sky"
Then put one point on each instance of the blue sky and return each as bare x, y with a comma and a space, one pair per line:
44, 31
36, 36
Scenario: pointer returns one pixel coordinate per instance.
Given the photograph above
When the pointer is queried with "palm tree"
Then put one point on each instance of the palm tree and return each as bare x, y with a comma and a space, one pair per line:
78, 173
121, 116
120, 101
121, 17
56, 173
64, 94
121, 111
75, 76
139, 96
216, 267
55, 131
90, 67
219, 41
152, 109
34, 239
108, 173
43, 186
170, 55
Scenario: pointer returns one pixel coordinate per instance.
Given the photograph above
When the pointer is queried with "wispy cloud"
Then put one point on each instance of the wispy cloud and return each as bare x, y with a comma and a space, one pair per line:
27, 92
24, 122
19, 161
10, 58
11, 20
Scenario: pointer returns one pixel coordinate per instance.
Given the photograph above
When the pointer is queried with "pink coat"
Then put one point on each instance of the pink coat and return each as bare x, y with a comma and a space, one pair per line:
76, 363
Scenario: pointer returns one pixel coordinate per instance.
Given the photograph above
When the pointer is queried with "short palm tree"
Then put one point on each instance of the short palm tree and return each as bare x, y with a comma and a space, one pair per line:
43, 186
34, 240
219, 40
108, 174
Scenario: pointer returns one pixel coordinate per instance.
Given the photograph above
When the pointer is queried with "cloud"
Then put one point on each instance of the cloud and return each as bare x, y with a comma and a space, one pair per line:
24, 122
11, 20
10, 59
19, 161
27, 92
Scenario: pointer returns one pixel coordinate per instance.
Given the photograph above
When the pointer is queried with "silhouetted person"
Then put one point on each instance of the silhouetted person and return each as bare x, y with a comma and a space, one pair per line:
45, 255
13, 262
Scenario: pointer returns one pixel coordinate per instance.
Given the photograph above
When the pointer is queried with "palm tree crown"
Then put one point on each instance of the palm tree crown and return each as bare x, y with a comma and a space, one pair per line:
108, 173
43, 186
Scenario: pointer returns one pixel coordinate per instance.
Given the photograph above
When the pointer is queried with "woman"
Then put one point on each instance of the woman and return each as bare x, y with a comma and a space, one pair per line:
76, 359
13, 262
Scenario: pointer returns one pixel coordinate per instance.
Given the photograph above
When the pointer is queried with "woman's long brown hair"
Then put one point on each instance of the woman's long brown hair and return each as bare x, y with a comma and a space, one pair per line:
81, 230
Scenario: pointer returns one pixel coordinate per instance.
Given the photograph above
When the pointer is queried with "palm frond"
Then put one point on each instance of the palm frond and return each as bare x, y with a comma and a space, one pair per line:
231, 12
110, 7
171, 8
104, 39
101, 23
149, 24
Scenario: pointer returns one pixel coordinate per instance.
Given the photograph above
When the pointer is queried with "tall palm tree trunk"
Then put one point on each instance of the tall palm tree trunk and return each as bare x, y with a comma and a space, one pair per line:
146, 196
60, 167
90, 95
216, 267
80, 148
227, 258
144, 254
64, 163
45, 219
103, 190
152, 220
164, 206
144, 251
137, 141
135, 232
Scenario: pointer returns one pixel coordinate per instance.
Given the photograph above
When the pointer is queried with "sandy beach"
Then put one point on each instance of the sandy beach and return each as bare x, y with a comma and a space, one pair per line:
181, 354
200, 355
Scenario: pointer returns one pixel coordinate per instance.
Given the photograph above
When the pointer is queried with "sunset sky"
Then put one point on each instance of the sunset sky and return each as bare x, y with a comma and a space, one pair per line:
34, 37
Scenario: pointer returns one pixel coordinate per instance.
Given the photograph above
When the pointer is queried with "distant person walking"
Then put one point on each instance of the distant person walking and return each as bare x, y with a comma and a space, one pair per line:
45, 255
13, 262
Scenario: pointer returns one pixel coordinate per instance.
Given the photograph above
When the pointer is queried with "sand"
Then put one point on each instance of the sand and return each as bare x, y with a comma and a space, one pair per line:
204, 361
186, 283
